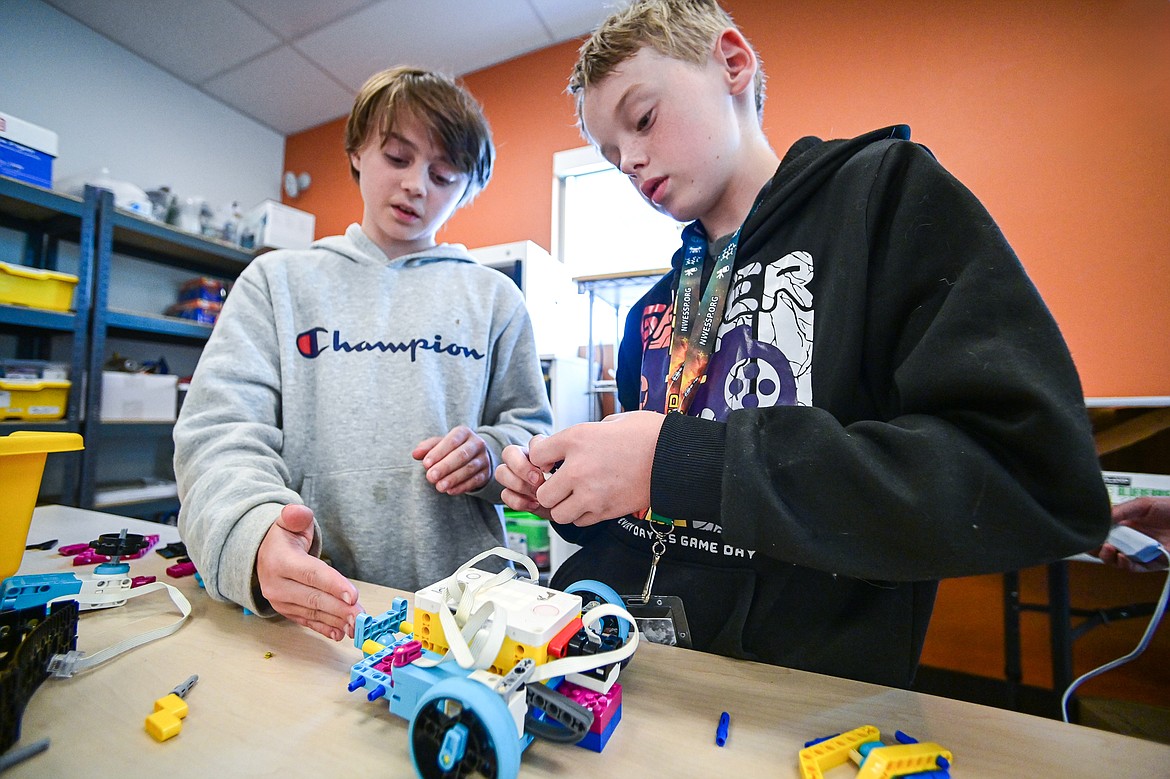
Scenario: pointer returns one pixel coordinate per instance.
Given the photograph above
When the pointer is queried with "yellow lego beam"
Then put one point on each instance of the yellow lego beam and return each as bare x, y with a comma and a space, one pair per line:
832, 752
902, 759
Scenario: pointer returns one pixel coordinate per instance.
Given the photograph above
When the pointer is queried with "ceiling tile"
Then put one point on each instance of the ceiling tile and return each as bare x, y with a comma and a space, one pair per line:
282, 90
452, 36
191, 40
567, 19
293, 18
292, 64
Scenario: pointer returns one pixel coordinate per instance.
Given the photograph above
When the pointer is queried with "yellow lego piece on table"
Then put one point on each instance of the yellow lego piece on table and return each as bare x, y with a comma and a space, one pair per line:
902, 759
166, 722
832, 752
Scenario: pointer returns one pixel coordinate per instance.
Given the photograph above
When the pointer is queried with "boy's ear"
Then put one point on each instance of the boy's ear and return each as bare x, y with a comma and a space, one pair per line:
734, 54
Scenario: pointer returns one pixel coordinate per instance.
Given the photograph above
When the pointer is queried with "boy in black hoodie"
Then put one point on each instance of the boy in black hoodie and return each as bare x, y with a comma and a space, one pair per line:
848, 386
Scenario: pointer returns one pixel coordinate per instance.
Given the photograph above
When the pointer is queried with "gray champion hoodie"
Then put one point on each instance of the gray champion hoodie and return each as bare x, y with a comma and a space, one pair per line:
325, 369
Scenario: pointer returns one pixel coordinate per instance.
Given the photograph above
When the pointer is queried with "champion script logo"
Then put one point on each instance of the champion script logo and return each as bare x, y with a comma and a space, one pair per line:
312, 343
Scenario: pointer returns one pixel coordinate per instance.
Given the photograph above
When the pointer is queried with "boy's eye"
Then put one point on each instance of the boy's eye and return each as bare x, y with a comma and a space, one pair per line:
443, 175
396, 161
644, 121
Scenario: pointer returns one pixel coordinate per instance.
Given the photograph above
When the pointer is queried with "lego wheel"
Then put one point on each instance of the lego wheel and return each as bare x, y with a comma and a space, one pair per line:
594, 593
462, 729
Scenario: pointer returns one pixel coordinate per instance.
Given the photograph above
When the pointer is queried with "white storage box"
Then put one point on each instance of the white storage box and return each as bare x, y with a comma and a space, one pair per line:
139, 397
27, 151
277, 226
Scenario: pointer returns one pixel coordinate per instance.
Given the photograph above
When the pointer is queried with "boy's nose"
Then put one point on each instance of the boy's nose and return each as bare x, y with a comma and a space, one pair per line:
414, 181
632, 162
631, 165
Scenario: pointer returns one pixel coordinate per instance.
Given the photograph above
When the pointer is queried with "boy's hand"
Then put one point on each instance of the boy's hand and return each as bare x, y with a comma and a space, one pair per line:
300, 586
1149, 515
520, 479
604, 469
456, 463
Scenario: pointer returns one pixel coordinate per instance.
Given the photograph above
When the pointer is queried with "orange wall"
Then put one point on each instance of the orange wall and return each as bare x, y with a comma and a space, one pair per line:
1054, 112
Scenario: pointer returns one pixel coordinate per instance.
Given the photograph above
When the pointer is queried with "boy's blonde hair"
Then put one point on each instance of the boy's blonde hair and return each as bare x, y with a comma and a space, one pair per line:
451, 115
683, 29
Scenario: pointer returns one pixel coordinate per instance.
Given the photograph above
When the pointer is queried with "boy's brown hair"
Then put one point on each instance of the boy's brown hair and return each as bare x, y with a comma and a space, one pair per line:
683, 29
451, 115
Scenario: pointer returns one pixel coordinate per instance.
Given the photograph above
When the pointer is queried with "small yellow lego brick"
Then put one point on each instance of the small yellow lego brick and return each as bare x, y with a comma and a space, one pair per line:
371, 647
166, 722
169, 711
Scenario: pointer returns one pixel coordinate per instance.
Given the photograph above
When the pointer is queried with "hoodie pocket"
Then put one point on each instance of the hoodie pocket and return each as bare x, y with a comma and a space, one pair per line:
390, 526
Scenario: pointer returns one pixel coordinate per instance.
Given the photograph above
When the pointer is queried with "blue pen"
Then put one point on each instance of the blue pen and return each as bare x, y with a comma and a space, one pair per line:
721, 731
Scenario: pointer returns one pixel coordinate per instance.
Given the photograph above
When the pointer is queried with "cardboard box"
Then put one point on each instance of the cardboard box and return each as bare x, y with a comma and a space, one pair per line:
139, 397
1124, 486
274, 225
27, 151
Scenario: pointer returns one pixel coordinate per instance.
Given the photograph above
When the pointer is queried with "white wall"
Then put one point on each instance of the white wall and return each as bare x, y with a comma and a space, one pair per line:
112, 109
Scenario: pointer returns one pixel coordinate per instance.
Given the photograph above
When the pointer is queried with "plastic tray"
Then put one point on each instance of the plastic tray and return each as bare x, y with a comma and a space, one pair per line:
22, 463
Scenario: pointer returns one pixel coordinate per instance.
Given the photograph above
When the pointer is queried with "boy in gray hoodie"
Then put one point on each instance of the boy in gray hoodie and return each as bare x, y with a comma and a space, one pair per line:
355, 396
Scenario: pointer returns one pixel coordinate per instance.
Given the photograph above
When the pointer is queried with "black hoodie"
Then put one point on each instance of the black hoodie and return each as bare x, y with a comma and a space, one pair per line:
889, 403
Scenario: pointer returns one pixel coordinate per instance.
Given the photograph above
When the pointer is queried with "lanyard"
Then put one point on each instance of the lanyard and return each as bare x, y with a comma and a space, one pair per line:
693, 339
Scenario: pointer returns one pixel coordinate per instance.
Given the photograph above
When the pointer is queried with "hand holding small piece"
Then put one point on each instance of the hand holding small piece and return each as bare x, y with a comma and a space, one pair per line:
1149, 515
520, 479
603, 468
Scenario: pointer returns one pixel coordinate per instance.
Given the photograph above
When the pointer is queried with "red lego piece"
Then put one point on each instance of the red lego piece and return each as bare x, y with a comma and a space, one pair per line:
560, 642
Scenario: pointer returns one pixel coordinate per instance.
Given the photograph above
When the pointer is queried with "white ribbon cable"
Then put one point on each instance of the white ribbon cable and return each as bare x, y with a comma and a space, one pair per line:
466, 645
471, 590
177, 597
507, 554
1144, 642
583, 663
471, 648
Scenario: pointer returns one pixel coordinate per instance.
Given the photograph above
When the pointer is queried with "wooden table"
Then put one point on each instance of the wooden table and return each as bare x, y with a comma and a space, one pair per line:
290, 714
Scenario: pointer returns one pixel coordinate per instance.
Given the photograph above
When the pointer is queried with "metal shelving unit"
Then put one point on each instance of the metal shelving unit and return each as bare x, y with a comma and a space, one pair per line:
47, 218
620, 291
122, 233
100, 231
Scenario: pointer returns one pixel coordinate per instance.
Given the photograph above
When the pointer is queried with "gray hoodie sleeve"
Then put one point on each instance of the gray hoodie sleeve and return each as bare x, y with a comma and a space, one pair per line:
232, 479
516, 407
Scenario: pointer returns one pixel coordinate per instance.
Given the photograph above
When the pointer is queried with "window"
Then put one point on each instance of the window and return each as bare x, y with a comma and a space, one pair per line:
605, 233
602, 225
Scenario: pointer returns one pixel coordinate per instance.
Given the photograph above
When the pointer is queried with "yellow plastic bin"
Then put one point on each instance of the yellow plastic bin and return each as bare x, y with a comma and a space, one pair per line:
39, 400
36, 288
22, 463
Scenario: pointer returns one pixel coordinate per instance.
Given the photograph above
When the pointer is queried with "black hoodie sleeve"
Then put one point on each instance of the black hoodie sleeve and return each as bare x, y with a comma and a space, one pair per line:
948, 434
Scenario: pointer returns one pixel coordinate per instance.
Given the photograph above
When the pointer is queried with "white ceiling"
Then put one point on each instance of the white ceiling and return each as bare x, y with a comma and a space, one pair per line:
294, 64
